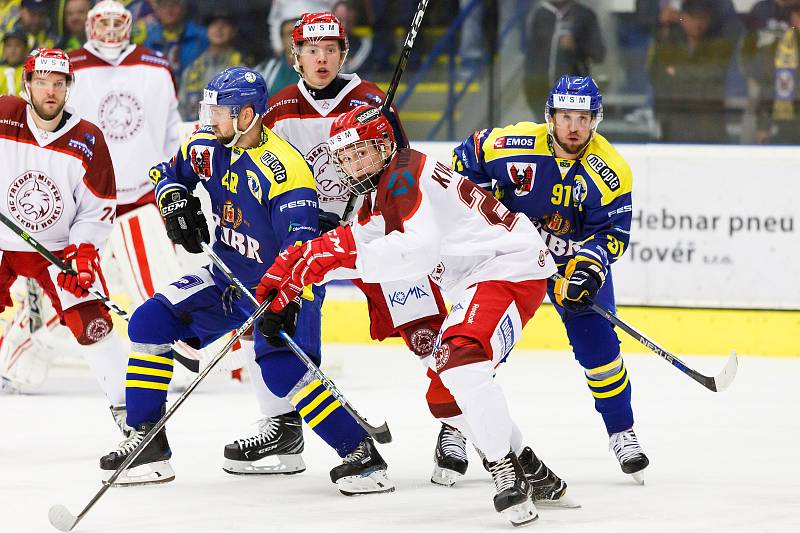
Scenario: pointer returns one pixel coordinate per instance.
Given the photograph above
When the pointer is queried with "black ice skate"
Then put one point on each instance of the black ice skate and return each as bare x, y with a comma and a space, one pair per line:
514, 492
631, 458
549, 490
150, 467
275, 450
363, 471
450, 457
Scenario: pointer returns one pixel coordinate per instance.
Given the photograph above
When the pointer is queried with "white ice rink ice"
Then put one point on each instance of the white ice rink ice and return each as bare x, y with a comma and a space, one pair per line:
719, 461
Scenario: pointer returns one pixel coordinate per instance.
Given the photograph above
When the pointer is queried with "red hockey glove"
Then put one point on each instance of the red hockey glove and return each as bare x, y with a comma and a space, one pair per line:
331, 250
271, 281
83, 259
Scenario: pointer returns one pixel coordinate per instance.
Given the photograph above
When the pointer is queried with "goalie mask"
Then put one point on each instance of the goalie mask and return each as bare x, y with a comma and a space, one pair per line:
108, 28
362, 143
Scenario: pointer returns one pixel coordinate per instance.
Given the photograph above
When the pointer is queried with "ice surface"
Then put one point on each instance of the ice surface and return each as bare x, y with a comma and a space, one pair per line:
719, 461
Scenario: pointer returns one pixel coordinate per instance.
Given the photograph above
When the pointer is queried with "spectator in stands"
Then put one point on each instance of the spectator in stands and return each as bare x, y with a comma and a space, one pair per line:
15, 51
779, 101
360, 47
34, 21
687, 72
219, 55
563, 38
9, 14
172, 34
143, 13
74, 14
279, 71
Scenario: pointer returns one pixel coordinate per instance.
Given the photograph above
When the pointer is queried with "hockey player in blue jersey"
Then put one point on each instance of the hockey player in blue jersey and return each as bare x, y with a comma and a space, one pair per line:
576, 188
263, 199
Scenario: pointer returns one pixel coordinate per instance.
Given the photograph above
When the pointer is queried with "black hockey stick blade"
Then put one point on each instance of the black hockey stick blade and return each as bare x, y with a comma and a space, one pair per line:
381, 434
61, 518
193, 365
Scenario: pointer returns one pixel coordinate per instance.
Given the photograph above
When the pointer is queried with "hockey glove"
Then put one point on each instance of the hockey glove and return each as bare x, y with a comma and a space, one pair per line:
272, 322
331, 250
83, 259
583, 277
328, 221
186, 224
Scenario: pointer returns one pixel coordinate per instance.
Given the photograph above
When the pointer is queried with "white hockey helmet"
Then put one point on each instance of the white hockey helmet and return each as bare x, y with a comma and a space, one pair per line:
108, 27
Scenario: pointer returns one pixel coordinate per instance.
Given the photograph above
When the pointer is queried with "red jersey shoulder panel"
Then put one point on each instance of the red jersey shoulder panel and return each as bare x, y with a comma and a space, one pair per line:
284, 102
398, 196
12, 118
86, 142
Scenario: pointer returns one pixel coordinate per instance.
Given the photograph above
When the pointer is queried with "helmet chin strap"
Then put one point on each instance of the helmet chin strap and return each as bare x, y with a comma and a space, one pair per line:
238, 134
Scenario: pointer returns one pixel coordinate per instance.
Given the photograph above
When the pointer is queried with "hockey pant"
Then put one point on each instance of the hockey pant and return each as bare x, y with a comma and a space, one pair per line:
191, 309
476, 337
596, 347
87, 319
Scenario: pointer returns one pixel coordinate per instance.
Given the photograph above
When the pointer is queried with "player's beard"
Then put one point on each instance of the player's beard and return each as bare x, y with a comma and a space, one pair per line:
569, 147
43, 112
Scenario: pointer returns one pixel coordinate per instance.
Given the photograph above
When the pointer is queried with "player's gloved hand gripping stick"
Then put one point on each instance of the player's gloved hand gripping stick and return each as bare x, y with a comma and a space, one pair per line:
190, 363
380, 433
712, 383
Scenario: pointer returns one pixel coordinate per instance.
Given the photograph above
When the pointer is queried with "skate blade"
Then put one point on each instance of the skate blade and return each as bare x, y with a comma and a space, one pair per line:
373, 483
273, 464
564, 502
521, 514
638, 477
147, 474
444, 477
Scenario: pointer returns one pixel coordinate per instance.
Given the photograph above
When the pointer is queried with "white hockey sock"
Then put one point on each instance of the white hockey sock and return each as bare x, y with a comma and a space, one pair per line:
269, 404
108, 361
483, 405
516, 438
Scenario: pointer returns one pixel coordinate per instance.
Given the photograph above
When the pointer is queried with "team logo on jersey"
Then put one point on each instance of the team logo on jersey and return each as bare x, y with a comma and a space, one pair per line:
97, 329
522, 175
254, 185
329, 186
35, 201
556, 224
201, 157
120, 116
400, 183
520, 142
437, 273
442, 355
608, 176
579, 190
231, 214
187, 282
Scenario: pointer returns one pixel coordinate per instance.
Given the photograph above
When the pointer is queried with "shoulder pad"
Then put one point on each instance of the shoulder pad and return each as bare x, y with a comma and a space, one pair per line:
522, 138
607, 167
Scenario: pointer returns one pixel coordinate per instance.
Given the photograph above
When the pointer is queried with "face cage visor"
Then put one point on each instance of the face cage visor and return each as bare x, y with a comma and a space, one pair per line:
360, 164
111, 30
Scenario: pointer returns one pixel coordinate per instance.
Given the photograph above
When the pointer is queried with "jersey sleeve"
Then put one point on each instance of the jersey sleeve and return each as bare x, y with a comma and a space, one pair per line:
192, 163
96, 202
469, 161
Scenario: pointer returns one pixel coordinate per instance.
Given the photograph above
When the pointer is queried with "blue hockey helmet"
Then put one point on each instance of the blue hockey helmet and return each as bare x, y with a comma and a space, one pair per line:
576, 93
231, 90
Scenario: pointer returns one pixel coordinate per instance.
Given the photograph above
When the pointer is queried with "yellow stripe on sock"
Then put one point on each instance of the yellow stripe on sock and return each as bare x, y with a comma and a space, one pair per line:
605, 368
314, 403
608, 381
149, 371
612, 392
305, 391
152, 358
138, 384
324, 414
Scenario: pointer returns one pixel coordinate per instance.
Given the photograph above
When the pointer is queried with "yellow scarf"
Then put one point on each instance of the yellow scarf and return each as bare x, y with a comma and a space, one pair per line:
787, 60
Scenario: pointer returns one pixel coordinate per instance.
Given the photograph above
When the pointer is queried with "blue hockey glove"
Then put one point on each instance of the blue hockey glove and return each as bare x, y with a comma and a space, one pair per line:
328, 221
583, 277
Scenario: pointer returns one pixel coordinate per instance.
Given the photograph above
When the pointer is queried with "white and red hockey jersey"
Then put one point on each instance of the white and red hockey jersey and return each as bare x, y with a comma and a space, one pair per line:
59, 186
133, 100
426, 219
296, 116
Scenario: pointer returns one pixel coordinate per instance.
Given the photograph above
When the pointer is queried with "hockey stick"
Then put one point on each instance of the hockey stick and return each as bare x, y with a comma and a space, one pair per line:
713, 383
191, 364
62, 519
416, 22
381, 433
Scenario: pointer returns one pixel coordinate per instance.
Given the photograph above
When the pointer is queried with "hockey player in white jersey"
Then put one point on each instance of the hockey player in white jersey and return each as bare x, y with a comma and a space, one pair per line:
419, 217
302, 114
60, 188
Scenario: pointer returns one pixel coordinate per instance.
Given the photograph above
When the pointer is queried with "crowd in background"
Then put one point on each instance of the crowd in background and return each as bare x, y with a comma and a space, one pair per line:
687, 56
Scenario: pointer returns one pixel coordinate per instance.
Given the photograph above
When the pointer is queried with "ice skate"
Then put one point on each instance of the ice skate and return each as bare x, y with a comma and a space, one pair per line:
275, 449
450, 457
150, 467
363, 471
514, 492
549, 490
631, 458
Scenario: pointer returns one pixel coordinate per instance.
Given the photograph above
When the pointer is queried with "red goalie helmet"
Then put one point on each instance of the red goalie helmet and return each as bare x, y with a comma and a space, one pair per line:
362, 143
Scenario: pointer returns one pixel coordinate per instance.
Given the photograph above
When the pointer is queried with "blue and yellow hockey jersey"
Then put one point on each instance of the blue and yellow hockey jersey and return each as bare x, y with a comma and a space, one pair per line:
581, 204
263, 199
